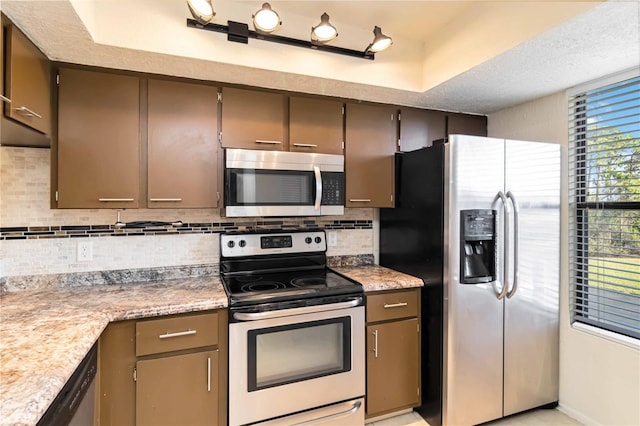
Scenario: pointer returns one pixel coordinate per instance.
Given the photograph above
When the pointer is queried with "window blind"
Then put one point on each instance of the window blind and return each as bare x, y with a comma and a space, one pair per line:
604, 201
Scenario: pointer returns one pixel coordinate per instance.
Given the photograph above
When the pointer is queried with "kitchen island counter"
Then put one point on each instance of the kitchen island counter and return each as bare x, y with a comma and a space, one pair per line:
45, 334
378, 278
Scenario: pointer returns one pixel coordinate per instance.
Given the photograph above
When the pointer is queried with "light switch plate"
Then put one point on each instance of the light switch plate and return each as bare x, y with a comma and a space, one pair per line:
332, 238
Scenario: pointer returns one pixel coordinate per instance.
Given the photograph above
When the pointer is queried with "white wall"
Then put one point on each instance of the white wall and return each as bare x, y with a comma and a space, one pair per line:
599, 377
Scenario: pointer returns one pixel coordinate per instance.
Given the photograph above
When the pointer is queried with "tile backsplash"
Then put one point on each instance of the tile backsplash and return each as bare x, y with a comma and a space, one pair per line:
38, 240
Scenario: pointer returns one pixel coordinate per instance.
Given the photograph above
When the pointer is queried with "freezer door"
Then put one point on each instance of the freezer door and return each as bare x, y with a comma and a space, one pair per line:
531, 308
473, 315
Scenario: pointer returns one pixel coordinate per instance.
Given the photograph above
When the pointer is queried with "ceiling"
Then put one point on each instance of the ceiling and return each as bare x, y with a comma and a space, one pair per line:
471, 56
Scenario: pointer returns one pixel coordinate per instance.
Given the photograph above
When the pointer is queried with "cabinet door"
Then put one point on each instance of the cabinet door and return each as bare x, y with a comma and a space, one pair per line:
252, 119
178, 390
420, 127
315, 125
28, 74
98, 140
393, 366
182, 145
465, 124
117, 390
369, 163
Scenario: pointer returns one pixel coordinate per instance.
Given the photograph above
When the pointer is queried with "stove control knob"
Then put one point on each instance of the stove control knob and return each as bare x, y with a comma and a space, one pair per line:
231, 244
318, 240
308, 240
242, 243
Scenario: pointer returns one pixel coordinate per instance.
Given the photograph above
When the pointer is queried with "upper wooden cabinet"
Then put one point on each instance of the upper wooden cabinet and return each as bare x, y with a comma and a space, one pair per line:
28, 82
420, 127
98, 140
316, 125
466, 124
369, 155
252, 119
182, 145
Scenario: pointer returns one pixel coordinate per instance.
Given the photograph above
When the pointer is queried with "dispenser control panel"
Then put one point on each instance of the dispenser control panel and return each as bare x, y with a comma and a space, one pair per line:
477, 246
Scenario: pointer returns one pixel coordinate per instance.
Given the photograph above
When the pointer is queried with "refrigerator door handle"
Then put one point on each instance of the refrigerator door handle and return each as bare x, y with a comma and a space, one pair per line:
505, 284
516, 244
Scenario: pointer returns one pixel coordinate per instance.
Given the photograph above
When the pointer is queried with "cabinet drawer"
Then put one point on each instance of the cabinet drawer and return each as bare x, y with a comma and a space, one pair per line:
392, 305
178, 333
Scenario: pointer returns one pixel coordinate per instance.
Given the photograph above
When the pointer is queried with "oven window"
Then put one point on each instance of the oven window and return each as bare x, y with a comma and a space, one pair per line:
296, 352
270, 187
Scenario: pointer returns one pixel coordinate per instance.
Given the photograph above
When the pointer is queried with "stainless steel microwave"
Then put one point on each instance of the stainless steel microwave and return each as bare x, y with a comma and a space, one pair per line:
277, 183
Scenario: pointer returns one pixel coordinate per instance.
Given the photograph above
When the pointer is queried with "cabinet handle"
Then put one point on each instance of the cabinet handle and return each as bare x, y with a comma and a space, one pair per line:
5, 99
114, 200
178, 334
395, 305
375, 343
359, 200
208, 374
268, 142
306, 145
160, 200
27, 112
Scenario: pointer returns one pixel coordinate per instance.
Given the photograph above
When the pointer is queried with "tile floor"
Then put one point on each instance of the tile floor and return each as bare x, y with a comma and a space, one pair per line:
541, 417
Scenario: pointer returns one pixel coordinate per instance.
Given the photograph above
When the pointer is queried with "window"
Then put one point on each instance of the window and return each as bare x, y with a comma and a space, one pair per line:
604, 198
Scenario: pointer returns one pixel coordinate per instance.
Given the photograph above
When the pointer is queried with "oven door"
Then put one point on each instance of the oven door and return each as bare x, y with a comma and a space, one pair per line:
288, 364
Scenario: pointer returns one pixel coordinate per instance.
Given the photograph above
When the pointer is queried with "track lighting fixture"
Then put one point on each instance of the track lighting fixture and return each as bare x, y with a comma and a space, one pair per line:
324, 32
202, 10
380, 41
266, 19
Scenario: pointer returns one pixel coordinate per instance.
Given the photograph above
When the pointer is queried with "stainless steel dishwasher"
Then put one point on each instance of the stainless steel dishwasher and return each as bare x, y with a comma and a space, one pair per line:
74, 405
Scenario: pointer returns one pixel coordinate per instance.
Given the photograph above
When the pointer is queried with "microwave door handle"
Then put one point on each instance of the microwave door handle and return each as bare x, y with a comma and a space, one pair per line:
316, 172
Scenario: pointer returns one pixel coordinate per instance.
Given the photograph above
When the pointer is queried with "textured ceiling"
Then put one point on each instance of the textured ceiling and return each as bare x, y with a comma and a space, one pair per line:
603, 39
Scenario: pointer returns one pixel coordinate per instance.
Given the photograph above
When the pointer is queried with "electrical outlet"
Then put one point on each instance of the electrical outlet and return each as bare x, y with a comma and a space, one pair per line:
85, 251
332, 239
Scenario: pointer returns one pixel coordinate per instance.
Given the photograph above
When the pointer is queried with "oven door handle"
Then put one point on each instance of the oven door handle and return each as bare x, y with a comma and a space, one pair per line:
254, 316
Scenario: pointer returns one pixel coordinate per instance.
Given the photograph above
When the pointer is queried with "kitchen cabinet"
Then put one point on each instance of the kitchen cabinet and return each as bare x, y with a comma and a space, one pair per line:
27, 82
466, 124
253, 119
420, 127
169, 370
316, 125
369, 155
393, 351
182, 145
98, 140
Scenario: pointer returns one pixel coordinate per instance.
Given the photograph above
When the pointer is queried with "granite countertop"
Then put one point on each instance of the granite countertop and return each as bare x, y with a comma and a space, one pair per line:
45, 334
377, 278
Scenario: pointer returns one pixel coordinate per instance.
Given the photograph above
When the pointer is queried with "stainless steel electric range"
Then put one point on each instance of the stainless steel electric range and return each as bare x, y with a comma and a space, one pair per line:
296, 332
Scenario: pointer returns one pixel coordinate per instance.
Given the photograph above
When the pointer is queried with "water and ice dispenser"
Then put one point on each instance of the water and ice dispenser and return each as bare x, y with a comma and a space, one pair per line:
477, 246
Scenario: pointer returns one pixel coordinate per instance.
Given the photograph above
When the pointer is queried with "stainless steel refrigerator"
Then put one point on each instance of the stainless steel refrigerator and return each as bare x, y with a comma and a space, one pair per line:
478, 220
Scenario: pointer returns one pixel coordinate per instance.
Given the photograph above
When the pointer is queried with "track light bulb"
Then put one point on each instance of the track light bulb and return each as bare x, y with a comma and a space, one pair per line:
324, 31
380, 41
266, 19
202, 10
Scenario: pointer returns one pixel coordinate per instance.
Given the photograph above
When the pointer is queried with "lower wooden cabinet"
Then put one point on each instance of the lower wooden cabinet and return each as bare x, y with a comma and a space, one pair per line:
393, 352
178, 390
164, 371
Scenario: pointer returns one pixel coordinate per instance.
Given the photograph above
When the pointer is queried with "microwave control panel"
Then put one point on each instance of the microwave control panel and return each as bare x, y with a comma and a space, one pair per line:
333, 189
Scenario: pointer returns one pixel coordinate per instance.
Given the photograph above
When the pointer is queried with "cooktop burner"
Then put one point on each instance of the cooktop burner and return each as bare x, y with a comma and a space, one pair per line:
261, 286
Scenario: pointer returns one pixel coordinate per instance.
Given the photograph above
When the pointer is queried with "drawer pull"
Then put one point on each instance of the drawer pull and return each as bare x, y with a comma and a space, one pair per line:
178, 334
27, 112
167, 200
5, 99
306, 145
395, 305
360, 200
268, 142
